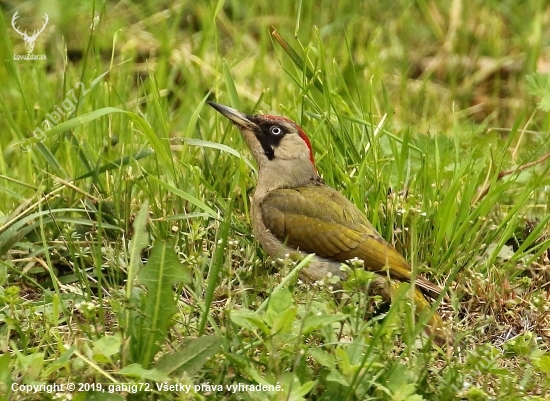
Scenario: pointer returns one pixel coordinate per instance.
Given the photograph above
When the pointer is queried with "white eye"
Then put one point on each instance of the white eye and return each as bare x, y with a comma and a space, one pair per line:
274, 130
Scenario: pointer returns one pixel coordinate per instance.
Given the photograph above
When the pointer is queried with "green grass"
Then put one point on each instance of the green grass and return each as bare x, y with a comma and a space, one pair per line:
126, 252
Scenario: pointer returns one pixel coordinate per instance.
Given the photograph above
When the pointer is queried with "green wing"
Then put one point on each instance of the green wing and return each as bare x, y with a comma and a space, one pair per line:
320, 220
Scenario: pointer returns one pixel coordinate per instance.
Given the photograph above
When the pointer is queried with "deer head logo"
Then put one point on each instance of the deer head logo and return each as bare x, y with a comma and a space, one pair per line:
29, 40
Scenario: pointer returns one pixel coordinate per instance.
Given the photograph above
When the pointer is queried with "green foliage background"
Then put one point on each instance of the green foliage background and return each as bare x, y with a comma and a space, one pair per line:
126, 254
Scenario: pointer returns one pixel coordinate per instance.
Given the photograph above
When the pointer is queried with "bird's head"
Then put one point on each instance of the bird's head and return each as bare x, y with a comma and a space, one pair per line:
281, 148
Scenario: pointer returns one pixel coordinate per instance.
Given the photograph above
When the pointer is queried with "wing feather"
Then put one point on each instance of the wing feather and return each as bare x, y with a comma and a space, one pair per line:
320, 220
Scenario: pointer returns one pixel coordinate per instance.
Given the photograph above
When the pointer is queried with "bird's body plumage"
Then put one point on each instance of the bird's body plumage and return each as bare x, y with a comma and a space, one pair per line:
318, 219
294, 211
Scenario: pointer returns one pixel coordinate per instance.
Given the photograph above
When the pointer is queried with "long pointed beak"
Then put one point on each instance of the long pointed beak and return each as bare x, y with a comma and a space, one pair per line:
240, 119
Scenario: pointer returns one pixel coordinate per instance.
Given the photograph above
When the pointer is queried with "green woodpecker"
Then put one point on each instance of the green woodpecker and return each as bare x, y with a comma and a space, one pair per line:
293, 210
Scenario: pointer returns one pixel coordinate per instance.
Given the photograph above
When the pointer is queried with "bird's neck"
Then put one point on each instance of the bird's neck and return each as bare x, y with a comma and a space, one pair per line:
283, 174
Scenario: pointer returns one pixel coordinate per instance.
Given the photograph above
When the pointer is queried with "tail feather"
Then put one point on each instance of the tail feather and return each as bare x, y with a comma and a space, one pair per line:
435, 328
